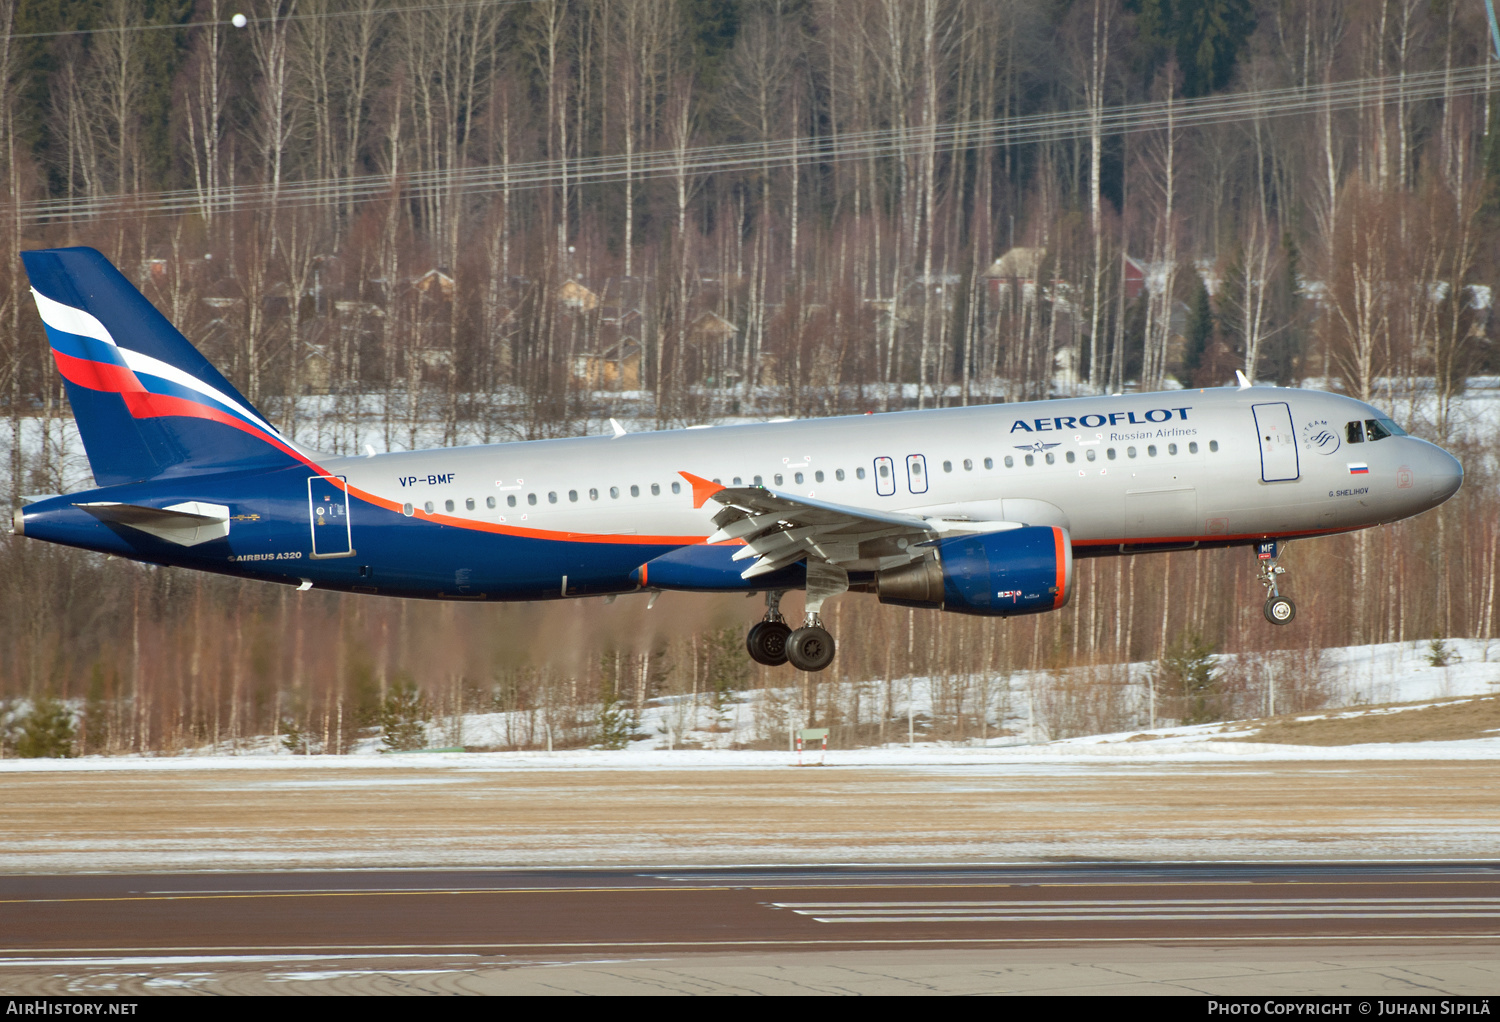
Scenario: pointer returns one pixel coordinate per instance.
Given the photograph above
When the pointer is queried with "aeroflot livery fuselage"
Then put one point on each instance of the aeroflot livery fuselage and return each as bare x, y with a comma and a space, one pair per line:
978, 510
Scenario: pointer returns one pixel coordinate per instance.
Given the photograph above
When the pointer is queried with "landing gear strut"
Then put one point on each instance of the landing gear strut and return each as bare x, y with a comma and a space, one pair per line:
811, 648
767, 641
1278, 610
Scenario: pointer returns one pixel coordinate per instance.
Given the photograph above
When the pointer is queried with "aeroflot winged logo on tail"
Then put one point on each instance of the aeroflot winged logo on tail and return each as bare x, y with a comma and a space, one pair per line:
88, 356
1094, 420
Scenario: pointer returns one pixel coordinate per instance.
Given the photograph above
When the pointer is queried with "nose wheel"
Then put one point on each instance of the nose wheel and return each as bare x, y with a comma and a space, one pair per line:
1278, 610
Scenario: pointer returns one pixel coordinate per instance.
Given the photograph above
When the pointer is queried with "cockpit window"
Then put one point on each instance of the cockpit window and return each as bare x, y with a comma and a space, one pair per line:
1354, 432
1379, 429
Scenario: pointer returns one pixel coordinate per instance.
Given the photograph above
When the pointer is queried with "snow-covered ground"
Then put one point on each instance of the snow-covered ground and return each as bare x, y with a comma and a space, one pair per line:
678, 732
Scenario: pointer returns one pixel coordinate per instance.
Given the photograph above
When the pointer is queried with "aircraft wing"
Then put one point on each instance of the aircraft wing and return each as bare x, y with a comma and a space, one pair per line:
779, 529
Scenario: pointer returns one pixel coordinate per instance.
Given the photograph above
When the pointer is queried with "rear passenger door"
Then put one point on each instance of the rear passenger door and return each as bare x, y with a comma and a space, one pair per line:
885, 477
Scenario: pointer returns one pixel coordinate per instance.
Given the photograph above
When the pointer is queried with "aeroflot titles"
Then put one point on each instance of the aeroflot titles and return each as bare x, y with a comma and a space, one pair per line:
1092, 420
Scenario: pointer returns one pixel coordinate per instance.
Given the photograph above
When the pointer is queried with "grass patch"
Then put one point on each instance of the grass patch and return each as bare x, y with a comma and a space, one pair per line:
1448, 721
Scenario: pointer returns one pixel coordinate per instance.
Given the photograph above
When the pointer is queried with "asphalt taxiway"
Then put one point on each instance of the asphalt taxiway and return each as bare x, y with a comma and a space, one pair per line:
1230, 928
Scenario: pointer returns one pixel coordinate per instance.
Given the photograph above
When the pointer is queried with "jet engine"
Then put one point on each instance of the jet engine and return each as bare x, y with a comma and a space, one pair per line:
1024, 570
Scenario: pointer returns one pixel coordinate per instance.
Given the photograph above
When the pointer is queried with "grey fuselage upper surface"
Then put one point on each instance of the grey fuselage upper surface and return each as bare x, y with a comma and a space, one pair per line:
1124, 473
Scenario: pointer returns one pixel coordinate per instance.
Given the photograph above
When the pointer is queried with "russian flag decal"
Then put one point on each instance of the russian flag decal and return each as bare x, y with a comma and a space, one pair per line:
1358, 468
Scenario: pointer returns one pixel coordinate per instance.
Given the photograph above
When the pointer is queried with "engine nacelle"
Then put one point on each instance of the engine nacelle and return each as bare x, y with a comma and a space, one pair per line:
1019, 571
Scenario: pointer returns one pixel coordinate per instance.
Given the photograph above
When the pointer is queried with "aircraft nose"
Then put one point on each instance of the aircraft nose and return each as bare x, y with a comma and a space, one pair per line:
1445, 475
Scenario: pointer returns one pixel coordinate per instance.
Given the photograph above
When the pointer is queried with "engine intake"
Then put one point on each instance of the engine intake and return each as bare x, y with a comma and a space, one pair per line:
1019, 571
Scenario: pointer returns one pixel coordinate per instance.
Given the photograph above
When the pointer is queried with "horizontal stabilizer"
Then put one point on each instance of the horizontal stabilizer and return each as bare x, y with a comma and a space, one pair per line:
186, 524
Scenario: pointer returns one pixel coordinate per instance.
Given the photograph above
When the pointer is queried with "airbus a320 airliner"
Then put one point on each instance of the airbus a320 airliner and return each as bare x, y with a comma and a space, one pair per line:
976, 510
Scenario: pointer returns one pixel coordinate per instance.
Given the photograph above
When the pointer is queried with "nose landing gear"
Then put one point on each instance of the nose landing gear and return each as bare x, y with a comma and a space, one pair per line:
1278, 610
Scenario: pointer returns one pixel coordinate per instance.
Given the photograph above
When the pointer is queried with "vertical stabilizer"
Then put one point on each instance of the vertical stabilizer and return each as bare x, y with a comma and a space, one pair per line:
147, 403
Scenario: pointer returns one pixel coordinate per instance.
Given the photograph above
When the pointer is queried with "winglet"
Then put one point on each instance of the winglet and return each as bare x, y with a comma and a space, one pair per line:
614, 424
702, 488
1240, 378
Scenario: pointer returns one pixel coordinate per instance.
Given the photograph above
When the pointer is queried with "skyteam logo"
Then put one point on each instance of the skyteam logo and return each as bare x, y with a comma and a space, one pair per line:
1037, 448
1320, 436
1094, 420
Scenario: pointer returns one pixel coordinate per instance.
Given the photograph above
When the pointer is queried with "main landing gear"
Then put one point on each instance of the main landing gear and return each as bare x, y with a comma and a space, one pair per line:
773, 642
1279, 610
766, 641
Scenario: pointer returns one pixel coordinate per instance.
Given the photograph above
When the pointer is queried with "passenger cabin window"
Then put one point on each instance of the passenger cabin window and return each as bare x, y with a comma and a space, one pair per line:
1130, 452
818, 476
1051, 459
1089, 454
859, 473
797, 478
1010, 462
1151, 450
1193, 447
1110, 454
447, 505
427, 507
737, 481
510, 501
656, 488
1354, 432
676, 487
968, 465
469, 504
635, 491
407, 510
1030, 460
776, 478
614, 493
552, 497
1213, 445
1171, 448
757, 481
531, 499
947, 466
989, 462
489, 502
572, 496
593, 494
1071, 457
837, 474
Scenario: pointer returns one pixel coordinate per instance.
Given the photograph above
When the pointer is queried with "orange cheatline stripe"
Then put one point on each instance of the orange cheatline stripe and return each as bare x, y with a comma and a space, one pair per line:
512, 530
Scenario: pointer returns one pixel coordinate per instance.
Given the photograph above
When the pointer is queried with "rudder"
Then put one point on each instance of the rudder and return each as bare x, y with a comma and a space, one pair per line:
147, 402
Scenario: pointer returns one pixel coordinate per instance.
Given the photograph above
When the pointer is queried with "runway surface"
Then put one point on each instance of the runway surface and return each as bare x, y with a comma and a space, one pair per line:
497, 930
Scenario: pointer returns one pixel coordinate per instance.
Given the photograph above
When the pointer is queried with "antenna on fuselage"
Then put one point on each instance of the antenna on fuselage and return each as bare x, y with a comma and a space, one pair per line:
614, 424
1242, 379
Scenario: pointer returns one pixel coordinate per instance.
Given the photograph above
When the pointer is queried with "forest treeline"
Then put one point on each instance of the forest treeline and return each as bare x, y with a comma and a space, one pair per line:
476, 220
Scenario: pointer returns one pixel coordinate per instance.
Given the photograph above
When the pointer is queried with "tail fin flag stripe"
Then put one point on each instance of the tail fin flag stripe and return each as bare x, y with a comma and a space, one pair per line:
74, 333
148, 404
